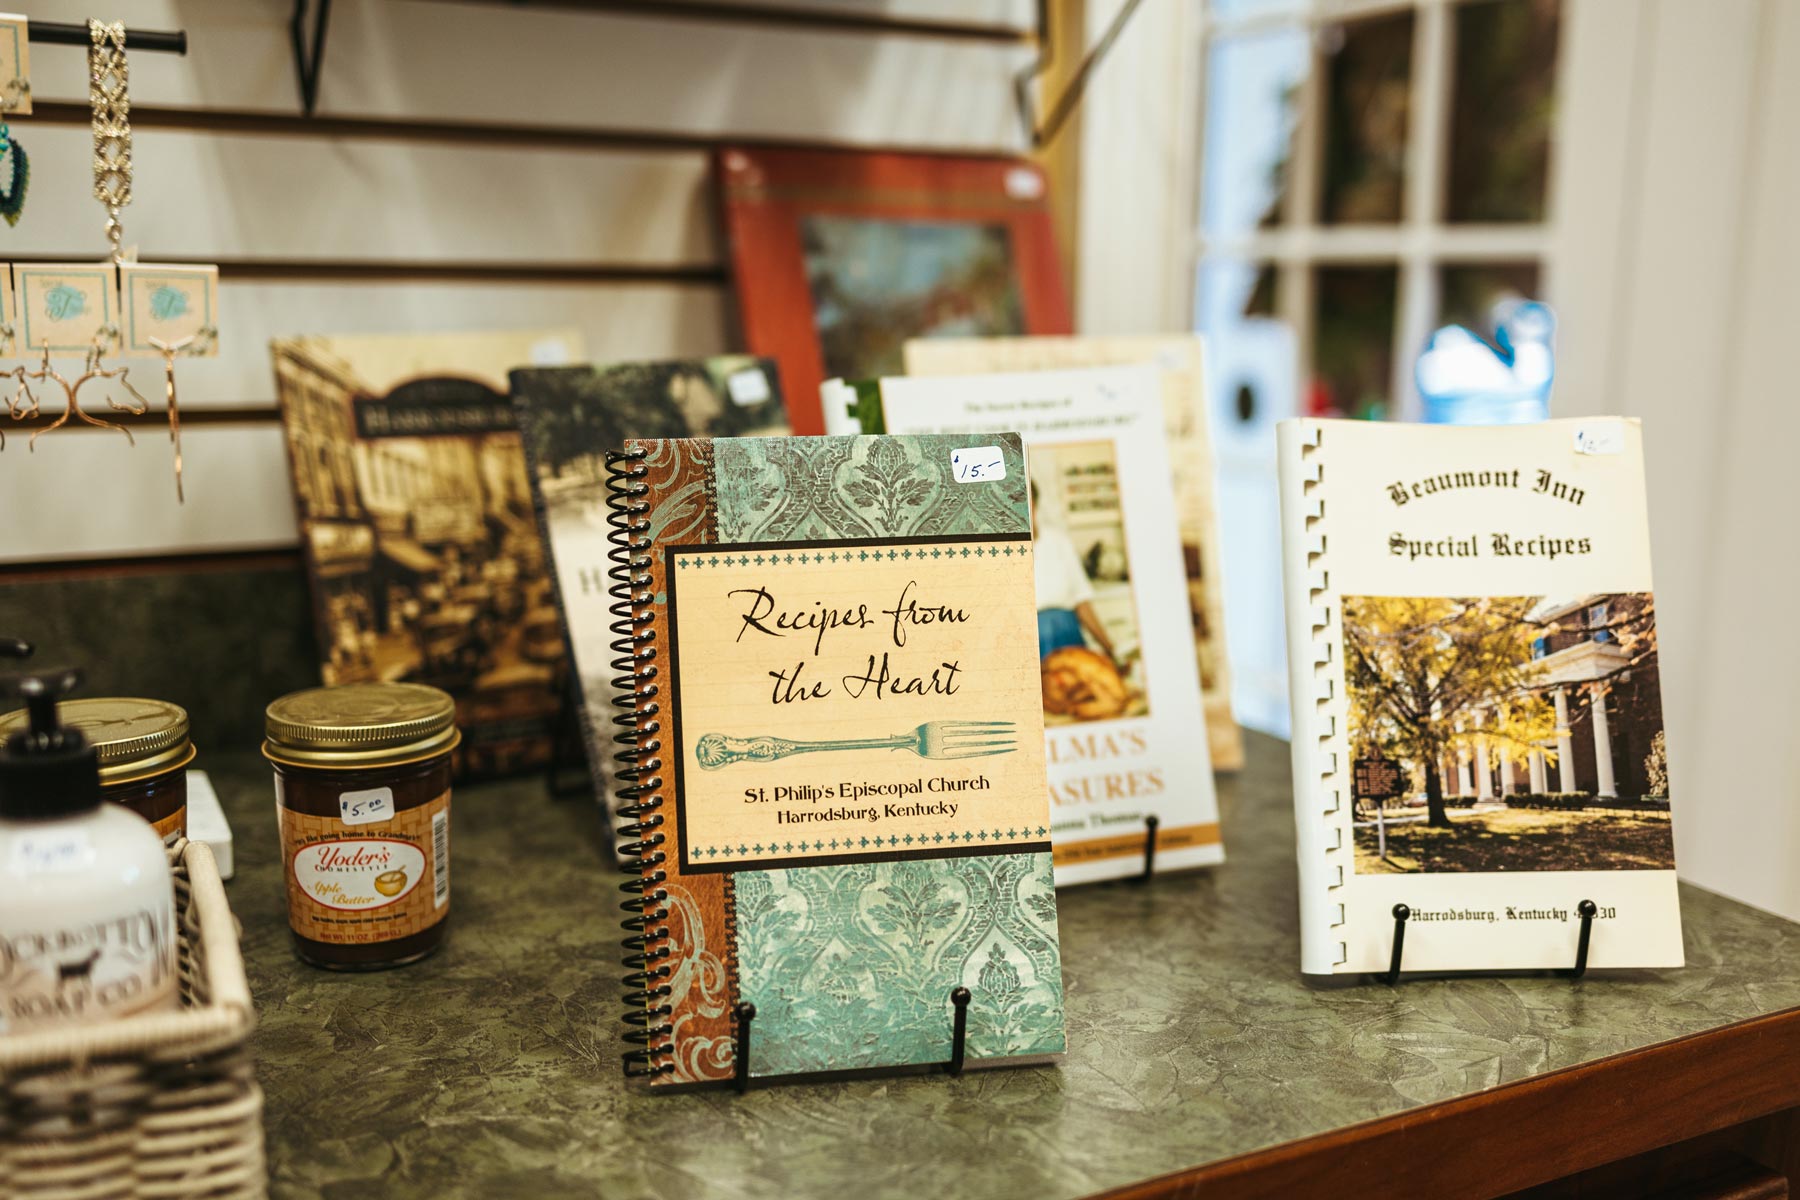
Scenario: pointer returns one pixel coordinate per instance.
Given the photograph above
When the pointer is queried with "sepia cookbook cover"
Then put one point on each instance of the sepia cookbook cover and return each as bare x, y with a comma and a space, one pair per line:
1478, 726
417, 530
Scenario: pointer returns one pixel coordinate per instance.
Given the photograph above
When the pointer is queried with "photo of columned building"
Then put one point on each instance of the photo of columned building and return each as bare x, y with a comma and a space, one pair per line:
1608, 703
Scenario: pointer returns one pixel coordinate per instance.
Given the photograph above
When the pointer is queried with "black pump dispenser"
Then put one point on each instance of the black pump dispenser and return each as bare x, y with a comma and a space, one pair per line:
48, 769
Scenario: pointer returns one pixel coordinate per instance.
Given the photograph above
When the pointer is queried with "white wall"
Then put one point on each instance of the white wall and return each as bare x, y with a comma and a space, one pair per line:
1680, 289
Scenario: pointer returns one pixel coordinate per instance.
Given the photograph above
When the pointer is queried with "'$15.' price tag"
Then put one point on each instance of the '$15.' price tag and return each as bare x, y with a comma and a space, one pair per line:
978, 464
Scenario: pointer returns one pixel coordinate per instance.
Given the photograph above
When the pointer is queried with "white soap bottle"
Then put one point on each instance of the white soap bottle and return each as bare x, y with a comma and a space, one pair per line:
87, 904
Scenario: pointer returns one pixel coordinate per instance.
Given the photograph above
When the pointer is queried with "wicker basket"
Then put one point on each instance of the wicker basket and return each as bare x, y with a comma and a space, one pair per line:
158, 1105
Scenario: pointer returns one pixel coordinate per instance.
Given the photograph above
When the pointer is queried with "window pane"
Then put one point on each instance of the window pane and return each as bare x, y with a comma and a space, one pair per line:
1367, 83
1467, 292
1249, 354
1503, 110
1233, 10
1252, 89
1353, 341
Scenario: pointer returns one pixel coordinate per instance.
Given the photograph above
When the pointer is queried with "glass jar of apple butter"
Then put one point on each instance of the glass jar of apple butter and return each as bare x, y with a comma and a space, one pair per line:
362, 791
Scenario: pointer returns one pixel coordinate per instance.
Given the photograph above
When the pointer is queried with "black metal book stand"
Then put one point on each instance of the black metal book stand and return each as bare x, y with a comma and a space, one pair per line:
745, 1013
1587, 910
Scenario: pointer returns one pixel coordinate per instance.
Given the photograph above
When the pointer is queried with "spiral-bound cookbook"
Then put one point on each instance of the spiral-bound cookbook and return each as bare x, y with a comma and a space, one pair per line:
1473, 665
832, 753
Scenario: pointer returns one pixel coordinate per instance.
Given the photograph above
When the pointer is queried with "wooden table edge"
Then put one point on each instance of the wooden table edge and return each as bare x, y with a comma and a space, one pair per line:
1517, 1135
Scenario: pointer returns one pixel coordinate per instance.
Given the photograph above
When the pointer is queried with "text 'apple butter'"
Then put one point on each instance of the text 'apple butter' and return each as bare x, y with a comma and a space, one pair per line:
362, 790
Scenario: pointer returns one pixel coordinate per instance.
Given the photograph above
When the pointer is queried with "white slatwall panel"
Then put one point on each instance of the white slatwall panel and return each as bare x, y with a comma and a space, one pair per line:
437, 61
617, 322
1017, 13
255, 199
88, 495
314, 198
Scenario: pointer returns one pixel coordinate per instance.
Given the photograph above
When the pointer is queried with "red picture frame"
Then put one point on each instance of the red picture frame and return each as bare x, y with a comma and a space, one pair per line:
921, 210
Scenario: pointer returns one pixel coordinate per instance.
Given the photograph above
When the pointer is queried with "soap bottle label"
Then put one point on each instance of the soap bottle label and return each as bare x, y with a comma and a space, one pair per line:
72, 972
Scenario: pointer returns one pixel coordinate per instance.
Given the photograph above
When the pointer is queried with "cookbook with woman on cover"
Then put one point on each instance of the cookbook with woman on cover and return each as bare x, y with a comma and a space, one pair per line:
1124, 723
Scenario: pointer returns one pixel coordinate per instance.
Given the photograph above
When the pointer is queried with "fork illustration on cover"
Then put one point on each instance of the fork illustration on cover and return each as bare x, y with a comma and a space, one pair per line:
934, 739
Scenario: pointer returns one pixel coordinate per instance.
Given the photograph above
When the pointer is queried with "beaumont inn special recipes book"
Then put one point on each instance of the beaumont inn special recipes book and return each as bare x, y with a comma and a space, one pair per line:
834, 752
1478, 729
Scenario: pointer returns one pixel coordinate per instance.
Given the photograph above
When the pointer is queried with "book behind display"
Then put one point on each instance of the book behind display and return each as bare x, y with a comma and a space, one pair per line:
1180, 361
571, 417
416, 526
1119, 680
839, 256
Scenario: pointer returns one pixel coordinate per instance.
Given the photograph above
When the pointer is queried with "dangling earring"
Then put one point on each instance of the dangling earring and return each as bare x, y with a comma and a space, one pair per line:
109, 82
15, 167
72, 392
194, 343
96, 370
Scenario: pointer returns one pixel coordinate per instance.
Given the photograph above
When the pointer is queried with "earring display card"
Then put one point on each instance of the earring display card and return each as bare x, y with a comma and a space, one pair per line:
168, 307
65, 307
15, 66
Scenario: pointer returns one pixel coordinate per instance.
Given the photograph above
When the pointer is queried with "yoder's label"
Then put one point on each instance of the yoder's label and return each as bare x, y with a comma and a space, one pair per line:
358, 883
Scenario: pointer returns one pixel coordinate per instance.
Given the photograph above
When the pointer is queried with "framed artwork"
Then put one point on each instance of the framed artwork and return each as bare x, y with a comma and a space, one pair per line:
838, 257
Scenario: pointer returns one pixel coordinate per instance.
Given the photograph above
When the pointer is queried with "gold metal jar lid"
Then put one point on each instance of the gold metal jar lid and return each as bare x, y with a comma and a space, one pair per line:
358, 725
133, 738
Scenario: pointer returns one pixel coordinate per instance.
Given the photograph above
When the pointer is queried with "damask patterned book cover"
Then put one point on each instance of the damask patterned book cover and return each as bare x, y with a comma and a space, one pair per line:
571, 417
833, 754
416, 526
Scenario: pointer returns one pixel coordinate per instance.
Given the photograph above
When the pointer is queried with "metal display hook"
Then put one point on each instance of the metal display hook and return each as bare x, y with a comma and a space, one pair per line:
1040, 134
59, 33
1587, 910
309, 48
744, 1013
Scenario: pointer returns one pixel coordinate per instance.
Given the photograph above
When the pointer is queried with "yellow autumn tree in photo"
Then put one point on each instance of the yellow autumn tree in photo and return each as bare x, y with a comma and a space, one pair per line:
1429, 676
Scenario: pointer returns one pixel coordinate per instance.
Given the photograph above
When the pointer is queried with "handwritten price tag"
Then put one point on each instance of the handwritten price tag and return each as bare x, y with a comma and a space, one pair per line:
366, 808
1605, 438
748, 387
65, 850
978, 464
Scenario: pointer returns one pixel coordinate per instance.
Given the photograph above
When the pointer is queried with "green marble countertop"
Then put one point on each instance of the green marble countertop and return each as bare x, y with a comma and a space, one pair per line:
492, 1069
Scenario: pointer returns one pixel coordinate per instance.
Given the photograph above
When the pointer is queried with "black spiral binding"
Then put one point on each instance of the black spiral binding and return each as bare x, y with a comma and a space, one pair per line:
634, 689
